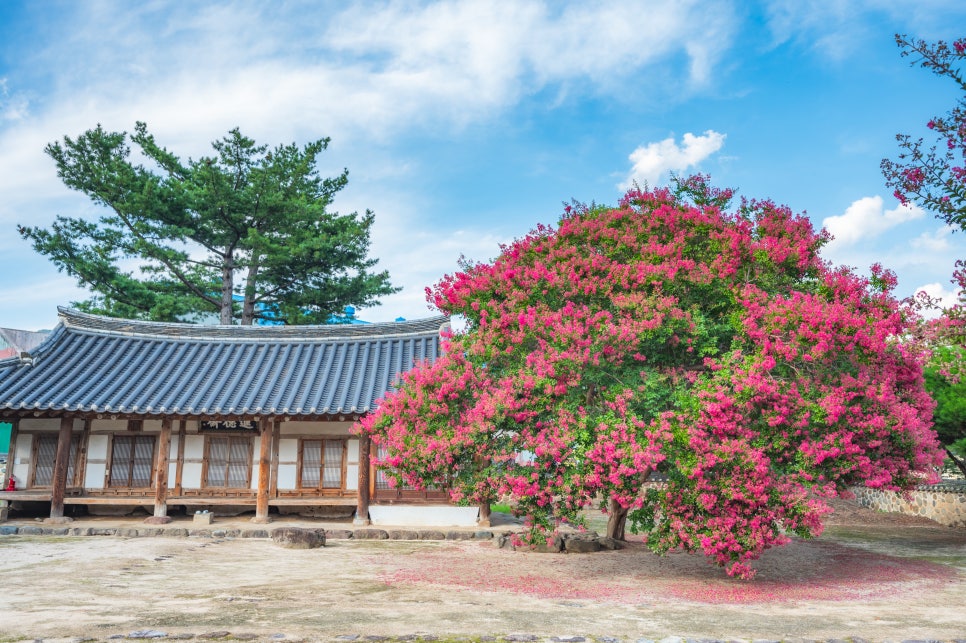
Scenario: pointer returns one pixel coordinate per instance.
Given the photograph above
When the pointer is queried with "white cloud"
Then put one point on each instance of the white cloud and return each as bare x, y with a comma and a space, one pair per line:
934, 242
654, 160
865, 219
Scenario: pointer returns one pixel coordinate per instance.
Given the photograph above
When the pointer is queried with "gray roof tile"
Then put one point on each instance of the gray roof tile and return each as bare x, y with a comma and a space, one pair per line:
97, 364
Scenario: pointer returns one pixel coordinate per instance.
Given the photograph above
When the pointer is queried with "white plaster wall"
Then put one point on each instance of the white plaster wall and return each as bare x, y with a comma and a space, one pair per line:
152, 426
108, 425
351, 477
194, 447
288, 451
194, 451
315, 428
191, 475
352, 450
287, 476
423, 515
21, 464
97, 447
254, 477
95, 475
40, 424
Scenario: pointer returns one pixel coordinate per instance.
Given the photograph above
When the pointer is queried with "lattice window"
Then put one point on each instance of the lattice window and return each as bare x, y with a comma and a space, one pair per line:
46, 454
322, 464
229, 462
132, 461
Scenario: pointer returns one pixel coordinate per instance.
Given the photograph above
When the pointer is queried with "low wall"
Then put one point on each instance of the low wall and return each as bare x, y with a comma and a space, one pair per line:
945, 503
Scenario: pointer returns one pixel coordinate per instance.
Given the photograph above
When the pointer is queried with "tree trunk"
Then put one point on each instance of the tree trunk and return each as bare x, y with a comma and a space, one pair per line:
248, 304
227, 287
616, 520
960, 464
485, 511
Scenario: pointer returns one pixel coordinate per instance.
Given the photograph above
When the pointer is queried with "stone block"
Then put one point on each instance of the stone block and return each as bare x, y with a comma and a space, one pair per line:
298, 538
202, 518
370, 534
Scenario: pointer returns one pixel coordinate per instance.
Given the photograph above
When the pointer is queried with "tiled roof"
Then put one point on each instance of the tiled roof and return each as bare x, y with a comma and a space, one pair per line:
94, 364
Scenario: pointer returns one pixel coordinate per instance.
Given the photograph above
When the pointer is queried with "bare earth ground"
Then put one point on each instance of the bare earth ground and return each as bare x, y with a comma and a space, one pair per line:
872, 575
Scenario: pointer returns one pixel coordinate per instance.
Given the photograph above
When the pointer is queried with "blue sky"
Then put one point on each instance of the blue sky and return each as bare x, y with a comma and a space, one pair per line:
464, 124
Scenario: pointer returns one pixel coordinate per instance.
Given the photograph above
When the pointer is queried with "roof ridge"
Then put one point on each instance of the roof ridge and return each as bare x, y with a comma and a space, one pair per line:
75, 319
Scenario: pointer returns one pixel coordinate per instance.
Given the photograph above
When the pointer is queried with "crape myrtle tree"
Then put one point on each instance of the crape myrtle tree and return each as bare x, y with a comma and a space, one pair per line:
934, 177
668, 334
243, 234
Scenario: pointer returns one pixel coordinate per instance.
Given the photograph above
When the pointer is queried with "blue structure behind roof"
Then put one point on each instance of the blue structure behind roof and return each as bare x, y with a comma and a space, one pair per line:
93, 364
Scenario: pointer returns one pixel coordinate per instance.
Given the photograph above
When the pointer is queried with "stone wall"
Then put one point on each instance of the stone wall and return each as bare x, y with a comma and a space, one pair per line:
945, 503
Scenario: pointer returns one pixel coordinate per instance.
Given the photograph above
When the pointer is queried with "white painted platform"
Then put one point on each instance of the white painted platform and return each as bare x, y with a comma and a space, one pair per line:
423, 515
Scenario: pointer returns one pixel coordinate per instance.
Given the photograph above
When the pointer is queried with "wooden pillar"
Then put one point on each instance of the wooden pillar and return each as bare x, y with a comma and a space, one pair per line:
276, 438
362, 508
264, 469
61, 461
179, 468
160, 516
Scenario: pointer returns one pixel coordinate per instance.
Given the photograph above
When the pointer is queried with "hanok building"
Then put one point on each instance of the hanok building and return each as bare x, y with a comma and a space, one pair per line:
109, 413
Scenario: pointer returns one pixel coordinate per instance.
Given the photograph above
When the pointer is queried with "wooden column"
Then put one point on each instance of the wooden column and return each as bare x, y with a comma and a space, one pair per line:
362, 508
179, 468
161, 476
276, 438
61, 461
264, 469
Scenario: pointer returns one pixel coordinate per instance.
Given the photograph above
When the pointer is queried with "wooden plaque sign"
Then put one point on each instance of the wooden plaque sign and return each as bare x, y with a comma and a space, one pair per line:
221, 426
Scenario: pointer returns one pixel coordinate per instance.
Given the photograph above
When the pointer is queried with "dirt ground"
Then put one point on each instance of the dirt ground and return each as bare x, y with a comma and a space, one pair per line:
871, 575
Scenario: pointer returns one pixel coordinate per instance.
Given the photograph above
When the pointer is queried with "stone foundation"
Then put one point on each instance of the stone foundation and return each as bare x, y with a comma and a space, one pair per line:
945, 503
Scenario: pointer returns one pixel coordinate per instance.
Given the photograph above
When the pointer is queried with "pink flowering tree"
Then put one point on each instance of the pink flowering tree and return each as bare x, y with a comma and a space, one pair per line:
670, 334
934, 177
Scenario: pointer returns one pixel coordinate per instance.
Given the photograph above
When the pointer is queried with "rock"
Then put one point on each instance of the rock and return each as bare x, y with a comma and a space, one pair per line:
298, 538
519, 638
8, 530
103, 531
147, 634
244, 637
483, 535
431, 534
458, 535
255, 533
30, 531
338, 534
403, 534
568, 639
581, 545
219, 634
610, 544
370, 534
184, 636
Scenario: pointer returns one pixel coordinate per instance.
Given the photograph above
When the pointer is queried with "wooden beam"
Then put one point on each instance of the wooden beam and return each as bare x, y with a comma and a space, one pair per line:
161, 475
264, 470
61, 461
362, 507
